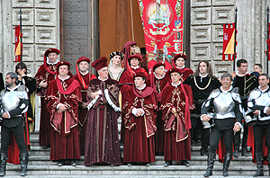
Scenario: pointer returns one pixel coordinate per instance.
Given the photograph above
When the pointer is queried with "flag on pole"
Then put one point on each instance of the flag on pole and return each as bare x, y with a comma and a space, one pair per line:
268, 42
229, 41
18, 44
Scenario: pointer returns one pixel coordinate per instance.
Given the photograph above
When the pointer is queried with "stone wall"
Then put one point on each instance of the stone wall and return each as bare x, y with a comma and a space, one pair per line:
40, 19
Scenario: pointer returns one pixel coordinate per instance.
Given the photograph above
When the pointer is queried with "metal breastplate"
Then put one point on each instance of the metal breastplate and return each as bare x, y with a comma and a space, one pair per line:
10, 100
224, 106
263, 100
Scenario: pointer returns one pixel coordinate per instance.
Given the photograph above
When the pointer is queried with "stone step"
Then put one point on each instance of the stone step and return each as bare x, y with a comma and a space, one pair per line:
132, 170
15, 175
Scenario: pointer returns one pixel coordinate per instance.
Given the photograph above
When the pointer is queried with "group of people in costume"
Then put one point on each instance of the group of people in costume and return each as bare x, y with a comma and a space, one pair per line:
163, 108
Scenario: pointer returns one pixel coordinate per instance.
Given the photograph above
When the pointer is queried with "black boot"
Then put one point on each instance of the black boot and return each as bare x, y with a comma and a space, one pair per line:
236, 152
24, 163
259, 160
210, 164
3, 164
226, 164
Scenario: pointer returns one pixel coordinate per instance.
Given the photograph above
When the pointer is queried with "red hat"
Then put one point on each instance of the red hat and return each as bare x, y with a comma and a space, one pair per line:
100, 63
51, 50
175, 70
179, 55
83, 58
141, 74
158, 65
61, 63
137, 56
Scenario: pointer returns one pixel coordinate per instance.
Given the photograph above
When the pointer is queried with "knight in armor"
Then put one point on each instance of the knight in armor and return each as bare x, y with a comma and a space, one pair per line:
14, 105
246, 83
259, 114
202, 84
222, 110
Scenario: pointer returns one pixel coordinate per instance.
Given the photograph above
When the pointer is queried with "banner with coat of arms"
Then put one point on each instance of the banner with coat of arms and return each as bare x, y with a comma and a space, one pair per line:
162, 22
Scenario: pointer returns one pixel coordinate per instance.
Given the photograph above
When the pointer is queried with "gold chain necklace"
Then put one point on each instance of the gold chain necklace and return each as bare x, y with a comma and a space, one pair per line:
194, 78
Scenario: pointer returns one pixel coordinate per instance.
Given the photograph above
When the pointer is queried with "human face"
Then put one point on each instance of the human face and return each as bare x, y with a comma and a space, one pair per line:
226, 83
52, 57
263, 81
203, 68
83, 66
180, 62
257, 69
134, 62
175, 77
160, 70
21, 72
9, 81
116, 60
103, 73
63, 70
243, 68
139, 82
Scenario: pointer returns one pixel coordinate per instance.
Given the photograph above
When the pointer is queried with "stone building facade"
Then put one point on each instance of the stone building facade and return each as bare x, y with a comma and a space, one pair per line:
71, 26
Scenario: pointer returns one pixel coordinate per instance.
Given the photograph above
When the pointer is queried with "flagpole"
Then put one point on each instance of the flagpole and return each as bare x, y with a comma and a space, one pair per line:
234, 56
267, 52
21, 33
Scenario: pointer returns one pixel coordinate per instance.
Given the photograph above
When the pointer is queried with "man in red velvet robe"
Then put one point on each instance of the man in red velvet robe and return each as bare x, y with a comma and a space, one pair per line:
45, 74
101, 139
63, 97
127, 79
176, 101
139, 121
179, 63
84, 77
159, 80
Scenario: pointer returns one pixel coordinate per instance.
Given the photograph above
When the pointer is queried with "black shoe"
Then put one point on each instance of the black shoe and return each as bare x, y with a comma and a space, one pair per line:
73, 163
185, 163
236, 154
59, 163
167, 163
4, 157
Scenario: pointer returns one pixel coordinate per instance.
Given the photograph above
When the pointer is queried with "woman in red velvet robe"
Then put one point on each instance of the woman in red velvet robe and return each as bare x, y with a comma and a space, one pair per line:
158, 80
101, 139
176, 101
63, 97
84, 77
139, 121
45, 74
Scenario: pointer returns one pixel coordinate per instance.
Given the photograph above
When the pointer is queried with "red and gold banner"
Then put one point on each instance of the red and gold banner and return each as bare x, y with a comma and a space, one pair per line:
229, 41
162, 22
18, 44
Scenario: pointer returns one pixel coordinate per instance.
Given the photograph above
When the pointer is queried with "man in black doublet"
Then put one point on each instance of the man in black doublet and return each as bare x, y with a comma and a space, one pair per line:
246, 83
202, 84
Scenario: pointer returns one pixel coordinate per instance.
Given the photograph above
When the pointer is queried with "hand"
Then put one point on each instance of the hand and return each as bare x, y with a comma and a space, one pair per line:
173, 110
236, 128
192, 107
140, 112
256, 113
268, 111
62, 108
205, 118
43, 84
5, 115
233, 75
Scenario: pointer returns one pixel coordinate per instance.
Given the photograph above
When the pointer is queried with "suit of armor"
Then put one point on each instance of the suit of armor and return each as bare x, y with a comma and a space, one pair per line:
224, 109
